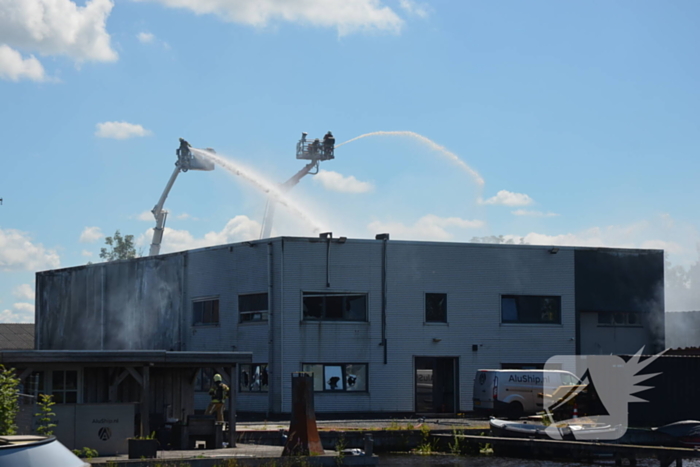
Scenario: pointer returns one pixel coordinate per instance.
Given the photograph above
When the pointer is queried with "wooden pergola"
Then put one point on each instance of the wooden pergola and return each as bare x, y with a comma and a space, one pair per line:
137, 364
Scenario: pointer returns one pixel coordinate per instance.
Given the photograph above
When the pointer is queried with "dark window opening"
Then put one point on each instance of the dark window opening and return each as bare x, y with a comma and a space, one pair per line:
436, 308
253, 378
335, 307
530, 309
338, 377
252, 307
205, 311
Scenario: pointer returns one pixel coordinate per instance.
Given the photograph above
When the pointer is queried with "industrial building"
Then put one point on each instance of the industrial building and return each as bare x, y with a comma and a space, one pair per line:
386, 326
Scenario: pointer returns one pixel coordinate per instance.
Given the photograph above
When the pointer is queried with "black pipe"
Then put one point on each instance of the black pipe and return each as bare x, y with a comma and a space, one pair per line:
384, 343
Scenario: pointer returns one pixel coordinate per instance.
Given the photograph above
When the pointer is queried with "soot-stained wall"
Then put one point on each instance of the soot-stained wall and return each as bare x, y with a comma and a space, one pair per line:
123, 305
627, 281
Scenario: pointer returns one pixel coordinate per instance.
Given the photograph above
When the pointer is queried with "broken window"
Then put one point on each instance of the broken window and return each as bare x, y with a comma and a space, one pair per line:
335, 307
205, 311
435, 308
338, 377
530, 309
252, 307
253, 378
619, 318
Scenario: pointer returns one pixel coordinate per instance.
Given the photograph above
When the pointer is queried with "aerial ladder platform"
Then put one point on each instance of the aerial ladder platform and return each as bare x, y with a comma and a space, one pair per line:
315, 151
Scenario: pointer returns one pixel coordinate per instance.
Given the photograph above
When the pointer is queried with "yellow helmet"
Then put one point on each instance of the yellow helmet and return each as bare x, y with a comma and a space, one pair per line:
217, 378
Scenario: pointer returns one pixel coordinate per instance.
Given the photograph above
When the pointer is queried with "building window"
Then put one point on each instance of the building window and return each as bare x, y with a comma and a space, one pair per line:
435, 308
253, 378
530, 309
205, 311
252, 307
618, 318
335, 307
31, 387
338, 377
64, 386
204, 379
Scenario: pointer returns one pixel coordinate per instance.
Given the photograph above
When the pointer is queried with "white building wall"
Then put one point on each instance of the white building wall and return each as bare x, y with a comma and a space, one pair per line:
473, 277
225, 272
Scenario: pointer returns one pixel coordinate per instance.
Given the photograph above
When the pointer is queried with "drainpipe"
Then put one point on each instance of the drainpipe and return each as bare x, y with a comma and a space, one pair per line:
384, 238
270, 333
281, 320
328, 236
102, 308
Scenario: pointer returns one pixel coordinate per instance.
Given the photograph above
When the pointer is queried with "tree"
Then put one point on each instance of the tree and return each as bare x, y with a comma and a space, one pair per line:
120, 247
9, 401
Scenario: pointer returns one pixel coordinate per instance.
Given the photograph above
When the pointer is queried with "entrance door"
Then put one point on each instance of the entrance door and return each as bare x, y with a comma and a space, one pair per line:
436, 383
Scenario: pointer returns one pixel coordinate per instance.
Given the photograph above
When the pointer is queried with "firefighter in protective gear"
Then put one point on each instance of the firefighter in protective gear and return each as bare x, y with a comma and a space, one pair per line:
219, 394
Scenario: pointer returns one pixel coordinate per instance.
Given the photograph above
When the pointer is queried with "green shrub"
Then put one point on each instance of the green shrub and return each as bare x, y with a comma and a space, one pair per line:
86, 453
9, 401
45, 414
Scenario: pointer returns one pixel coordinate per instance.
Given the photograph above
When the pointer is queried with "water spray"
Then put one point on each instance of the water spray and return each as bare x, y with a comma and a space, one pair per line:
275, 192
431, 144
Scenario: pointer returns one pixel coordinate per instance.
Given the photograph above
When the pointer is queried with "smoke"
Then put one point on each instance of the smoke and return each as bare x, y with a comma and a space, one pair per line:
265, 186
431, 144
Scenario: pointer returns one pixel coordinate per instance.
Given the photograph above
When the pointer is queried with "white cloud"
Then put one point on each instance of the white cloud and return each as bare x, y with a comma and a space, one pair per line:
185, 216
145, 37
58, 27
18, 253
24, 292
146, 216
86, 253
679, 240
238, 229
334, 181
429, 227
414, 8
21, 313
91, 235
120, 130
508, 198
524, 212
15, 68
347, 16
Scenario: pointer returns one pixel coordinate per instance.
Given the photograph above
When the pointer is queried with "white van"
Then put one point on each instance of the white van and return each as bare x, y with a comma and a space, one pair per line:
517, 392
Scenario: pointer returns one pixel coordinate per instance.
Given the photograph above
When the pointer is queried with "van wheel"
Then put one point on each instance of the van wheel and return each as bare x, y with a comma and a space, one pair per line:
515, 410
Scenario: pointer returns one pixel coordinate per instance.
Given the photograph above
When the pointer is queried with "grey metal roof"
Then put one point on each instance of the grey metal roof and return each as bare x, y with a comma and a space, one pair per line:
16, 336
126, 357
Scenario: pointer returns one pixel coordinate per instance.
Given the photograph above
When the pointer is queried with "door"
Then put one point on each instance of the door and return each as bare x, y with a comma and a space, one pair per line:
436, 384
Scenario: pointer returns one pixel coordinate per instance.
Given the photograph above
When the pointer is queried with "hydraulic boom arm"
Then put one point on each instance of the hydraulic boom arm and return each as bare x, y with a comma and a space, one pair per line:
160, 214
186, 160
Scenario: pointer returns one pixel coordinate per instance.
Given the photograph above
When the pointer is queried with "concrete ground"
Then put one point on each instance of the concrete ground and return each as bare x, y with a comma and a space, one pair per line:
243, 450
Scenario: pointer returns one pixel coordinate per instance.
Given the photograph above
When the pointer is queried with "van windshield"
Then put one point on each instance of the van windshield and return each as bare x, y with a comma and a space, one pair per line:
569, 379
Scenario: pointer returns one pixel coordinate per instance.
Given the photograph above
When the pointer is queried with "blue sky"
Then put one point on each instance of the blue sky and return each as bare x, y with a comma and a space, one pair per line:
580, 118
